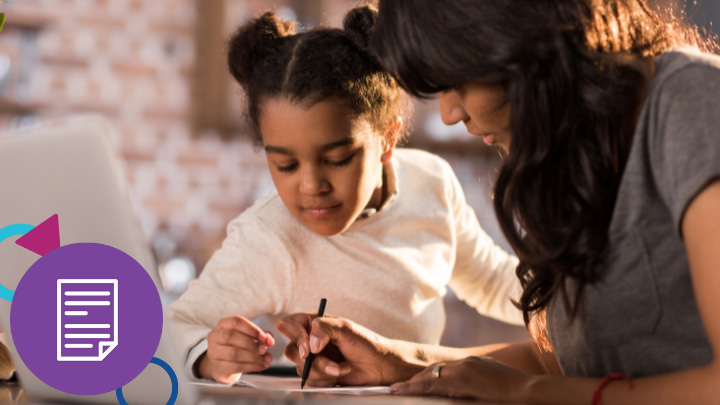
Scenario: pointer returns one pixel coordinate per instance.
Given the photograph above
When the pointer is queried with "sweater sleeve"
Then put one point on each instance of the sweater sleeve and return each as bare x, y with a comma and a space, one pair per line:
484, 274
252, 274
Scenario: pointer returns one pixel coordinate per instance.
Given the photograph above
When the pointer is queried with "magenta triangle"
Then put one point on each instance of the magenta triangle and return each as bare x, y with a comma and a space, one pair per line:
42, 239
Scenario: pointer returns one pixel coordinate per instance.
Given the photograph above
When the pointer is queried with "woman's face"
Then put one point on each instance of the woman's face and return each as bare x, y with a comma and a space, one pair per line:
326, 165
483, 110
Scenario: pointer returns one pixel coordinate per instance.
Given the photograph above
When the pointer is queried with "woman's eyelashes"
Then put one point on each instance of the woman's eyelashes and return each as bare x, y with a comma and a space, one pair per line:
335, 163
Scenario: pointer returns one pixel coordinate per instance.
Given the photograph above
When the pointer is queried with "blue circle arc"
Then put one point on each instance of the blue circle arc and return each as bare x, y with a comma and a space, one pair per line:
173, 379
6, 232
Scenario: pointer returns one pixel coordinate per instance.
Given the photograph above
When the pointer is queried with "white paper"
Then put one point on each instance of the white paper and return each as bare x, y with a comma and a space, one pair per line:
87, 319
292, 384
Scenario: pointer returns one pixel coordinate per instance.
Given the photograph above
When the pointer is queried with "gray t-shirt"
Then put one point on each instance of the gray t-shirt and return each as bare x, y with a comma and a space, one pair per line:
642, 318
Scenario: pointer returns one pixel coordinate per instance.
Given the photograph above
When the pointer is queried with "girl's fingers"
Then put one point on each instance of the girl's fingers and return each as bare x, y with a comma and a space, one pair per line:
224, 368
235, 354
232, 337
246, 327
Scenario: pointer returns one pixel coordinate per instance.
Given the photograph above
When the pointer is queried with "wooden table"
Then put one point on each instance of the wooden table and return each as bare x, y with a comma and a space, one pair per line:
13, 394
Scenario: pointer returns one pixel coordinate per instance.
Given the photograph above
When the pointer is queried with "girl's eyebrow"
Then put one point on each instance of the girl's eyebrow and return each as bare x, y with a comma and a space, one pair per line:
332, 145
329, 146
278, 149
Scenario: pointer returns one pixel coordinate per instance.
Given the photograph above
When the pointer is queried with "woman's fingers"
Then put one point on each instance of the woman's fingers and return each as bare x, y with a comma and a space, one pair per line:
323, 367
325, 372
472, 377
433, 380
296, 327
346, 352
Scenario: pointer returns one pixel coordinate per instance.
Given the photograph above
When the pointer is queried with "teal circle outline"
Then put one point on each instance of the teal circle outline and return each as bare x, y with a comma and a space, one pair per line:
173, 380
6, 232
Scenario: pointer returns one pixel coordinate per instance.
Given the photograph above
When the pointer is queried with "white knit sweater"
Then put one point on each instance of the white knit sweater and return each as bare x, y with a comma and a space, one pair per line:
388, 271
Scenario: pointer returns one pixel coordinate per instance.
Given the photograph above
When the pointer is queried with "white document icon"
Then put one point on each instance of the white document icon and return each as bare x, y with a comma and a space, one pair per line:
87, 319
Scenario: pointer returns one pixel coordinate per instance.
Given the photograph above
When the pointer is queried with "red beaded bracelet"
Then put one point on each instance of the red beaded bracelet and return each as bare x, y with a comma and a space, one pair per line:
597, 397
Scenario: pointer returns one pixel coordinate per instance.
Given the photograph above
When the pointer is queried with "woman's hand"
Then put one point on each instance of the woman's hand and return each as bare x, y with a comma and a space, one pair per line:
473, 377
235, 346
349, 353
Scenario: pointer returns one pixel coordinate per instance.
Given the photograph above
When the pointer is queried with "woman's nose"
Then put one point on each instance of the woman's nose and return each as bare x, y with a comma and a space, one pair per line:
451, 109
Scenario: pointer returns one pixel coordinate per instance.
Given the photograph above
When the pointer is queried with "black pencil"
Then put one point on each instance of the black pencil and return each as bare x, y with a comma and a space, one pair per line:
311, 356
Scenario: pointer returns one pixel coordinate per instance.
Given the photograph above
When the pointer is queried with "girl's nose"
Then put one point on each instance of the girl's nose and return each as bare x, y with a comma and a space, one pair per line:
313, 181
451, 109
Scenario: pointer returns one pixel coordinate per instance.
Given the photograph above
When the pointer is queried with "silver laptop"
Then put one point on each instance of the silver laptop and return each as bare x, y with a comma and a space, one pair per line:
71, 169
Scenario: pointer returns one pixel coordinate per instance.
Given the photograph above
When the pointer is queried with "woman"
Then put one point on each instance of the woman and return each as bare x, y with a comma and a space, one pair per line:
609, 194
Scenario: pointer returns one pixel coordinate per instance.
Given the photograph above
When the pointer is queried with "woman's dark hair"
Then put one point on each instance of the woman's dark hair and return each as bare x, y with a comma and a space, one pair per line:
270, 61
574, 78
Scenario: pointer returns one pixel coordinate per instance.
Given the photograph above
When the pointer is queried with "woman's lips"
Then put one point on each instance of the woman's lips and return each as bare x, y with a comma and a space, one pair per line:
488, 139
321, 211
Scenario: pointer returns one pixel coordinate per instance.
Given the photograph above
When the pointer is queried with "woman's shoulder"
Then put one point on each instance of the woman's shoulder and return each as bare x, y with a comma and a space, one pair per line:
681, 68
683, 92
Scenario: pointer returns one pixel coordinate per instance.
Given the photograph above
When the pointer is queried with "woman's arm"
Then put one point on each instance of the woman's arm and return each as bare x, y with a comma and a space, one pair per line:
354, 355
527, 356
699, 385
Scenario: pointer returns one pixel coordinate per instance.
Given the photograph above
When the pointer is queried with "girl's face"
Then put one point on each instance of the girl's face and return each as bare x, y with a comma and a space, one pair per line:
326, 165
482, 108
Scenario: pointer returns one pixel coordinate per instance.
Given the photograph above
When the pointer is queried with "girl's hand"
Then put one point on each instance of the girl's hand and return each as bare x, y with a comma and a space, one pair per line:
6, 365
349, 353
235, 346
473, 377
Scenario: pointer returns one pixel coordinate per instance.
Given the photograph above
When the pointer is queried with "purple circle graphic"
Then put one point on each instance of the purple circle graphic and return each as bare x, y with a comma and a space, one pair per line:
86, 318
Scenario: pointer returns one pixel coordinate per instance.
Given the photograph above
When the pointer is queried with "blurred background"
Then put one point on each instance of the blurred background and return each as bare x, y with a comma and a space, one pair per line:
155, 69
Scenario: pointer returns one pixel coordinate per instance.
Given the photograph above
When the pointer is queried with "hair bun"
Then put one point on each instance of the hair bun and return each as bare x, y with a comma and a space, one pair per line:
359, 24
252, 41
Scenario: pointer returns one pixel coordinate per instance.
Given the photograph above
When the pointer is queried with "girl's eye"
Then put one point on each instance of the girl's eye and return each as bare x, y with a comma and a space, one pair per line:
341, 162
287, 168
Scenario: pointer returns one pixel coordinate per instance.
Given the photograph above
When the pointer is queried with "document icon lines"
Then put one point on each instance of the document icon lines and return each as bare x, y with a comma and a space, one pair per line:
87, 293
87, 303
76, 313
87, 319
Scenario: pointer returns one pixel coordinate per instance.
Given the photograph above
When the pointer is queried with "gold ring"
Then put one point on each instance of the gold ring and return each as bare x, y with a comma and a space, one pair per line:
436, 370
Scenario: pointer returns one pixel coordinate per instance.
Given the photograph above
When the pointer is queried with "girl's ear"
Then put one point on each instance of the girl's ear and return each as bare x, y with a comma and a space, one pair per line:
389, 138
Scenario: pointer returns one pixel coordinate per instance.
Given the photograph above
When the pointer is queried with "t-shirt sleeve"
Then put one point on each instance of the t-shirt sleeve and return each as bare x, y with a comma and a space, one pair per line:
686, 145
484, 274
250, 275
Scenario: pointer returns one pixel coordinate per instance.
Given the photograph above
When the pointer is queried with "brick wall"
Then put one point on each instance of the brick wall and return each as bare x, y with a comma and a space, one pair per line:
132, 61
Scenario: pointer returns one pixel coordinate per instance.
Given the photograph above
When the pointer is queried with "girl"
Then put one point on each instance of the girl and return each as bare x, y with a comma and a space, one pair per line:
609, 194
378, 231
